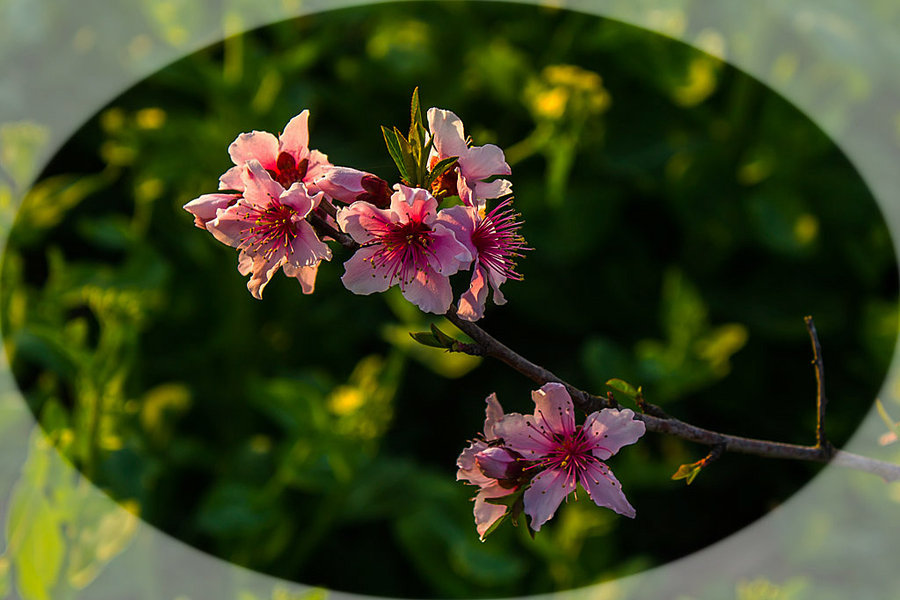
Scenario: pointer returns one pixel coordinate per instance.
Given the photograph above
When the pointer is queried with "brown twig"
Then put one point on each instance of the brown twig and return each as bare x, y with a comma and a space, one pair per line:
490, 346
324, 229
822, 442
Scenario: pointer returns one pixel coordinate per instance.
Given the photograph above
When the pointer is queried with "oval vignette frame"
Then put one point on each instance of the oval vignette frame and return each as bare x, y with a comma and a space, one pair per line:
772, 547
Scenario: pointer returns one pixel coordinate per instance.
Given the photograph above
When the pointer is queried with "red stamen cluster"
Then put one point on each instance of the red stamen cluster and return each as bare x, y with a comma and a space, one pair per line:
497, 240
570, 453
272, 226
404, 248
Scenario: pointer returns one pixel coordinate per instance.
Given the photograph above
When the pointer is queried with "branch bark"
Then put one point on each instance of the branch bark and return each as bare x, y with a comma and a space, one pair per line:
487, 345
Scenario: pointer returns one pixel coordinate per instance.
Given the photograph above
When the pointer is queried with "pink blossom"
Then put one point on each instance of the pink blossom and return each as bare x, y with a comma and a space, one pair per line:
287, 157
495, 243
406, 245
351, 185
478, 460
268, 225
474, 166
565, 455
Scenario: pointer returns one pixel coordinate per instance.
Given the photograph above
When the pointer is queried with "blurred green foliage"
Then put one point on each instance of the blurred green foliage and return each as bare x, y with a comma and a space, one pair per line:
684, 219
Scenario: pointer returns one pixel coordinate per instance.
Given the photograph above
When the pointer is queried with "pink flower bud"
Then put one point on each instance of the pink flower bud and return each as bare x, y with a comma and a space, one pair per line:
498, 462
351, 185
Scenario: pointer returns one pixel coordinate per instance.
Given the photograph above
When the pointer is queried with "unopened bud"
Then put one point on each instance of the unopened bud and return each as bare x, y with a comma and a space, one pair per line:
499, 463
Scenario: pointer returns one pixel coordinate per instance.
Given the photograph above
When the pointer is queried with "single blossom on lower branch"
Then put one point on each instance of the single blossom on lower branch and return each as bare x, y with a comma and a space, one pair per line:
495, 243
494, 469
408, 245
268, 225
561, 455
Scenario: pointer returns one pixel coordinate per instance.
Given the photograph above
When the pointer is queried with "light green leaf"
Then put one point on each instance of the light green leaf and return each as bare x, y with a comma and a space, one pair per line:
392, 141
688, 472
624, 387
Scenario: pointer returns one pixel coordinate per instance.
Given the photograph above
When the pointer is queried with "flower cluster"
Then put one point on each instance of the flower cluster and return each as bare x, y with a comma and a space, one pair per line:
281, 201
452, 211
531, 463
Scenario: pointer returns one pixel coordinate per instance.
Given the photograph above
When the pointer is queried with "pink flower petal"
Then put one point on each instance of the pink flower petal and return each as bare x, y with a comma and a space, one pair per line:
471, 302
519, 433
341, 183
305, 275
447, 254
605, 490
493, 189
229, 226
262, 272
493, 414
256, 145
546, 492
487, 513
295, 138
461, 221
204, 208
610, 429
554, 409
318, 165
481, 162
496, 280
299, 198
429, 291
413, 204
307, 249
245, 263
232, 180
260, 189
360, 277
449, 134
468, 470
361, 219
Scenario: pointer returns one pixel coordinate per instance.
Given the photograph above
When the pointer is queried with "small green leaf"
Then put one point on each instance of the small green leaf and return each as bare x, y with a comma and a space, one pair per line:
891, 424
509, 500
427, 339
410, 162
439, 169
442, 337
395, 149
688, 472
620, 385
415, 116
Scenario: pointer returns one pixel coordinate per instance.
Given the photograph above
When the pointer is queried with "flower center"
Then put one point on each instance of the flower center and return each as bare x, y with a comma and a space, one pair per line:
272, 227
404, 249
288, 171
